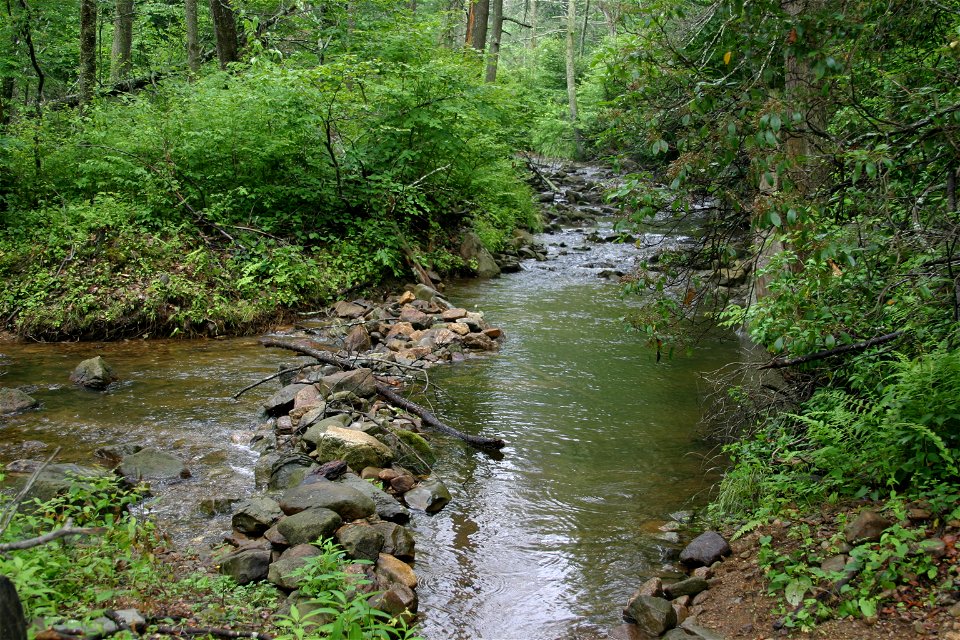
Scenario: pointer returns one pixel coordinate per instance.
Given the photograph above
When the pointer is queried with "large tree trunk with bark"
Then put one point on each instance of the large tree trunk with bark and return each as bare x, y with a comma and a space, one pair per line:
493, 57
120, 52
477, 24
572, 75
193, 35
88, 49
225, 31
13, 626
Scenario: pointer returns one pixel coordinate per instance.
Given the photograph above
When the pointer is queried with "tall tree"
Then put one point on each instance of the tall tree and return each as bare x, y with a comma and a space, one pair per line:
120, 59
496, 18
572, 73
88, 49
225, 31
477, 19
193, 35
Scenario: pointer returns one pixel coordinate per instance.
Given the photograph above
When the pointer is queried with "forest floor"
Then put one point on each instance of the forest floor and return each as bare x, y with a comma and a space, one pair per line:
738, 605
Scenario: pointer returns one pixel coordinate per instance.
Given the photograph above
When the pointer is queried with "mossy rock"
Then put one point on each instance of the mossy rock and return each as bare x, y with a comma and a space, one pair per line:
414, 452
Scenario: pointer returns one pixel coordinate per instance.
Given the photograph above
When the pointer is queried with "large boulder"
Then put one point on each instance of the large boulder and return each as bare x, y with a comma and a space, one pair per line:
358, 381
360, 541
654, 616
704, 550
431, 496
93, 373
289, 470
476, 255
356, 448
349, 503
56, 479
414, 452
151, 464
317, 430
387, 506
281, 571
14, 400
246, 565
398, 600
397, 540
282, 401
254, 515
309, 525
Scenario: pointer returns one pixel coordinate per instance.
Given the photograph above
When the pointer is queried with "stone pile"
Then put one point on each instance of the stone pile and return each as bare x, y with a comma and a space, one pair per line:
669, 610
417, 328
337, 462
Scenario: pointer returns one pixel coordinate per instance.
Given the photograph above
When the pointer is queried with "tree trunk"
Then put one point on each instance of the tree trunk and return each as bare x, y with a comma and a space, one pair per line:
13, 626
193, 35
611, 15
572, 74
494, 55
120, 59
88, 49
225, 31
533, 24
477, 24
6, 101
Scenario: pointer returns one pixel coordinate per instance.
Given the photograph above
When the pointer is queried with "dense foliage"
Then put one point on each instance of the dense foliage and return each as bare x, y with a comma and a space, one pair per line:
72, 581
818, 145
207, 206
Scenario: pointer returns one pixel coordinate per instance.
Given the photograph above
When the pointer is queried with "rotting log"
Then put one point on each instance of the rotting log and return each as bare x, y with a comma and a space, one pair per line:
482, 442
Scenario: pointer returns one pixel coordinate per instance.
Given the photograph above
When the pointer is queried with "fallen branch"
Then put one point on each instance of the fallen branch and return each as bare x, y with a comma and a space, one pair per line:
217, 633
267, 379
780, 363
533, 167
388, 393
66, 530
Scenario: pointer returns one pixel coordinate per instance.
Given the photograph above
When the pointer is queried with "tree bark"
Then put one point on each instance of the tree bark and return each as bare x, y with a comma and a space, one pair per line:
13, 626
120, 58
477, 20
396, 399
225, 31
193, 35
493, 57
88, 49
533, 24
572, 75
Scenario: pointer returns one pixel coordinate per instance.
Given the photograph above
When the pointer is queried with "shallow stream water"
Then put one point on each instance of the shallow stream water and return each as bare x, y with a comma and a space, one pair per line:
544, 542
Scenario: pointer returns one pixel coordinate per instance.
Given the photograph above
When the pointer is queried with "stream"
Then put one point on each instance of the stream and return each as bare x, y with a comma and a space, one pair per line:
546, 541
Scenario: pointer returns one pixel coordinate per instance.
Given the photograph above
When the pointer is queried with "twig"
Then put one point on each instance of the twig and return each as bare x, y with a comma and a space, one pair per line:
66, 530
210, 631
267, 379
826, 353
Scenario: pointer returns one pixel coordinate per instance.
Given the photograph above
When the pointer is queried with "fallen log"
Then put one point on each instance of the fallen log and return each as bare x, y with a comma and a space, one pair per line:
389, 394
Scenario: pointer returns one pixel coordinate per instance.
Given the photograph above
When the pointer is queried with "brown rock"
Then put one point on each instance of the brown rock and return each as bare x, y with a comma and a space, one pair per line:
452, 315
652, 588
479, 341
418, 319
493, 332
867, 527
344, 309
458, 328
357, 340
400, 329
395, 570
309, 396
403, 483
406, 297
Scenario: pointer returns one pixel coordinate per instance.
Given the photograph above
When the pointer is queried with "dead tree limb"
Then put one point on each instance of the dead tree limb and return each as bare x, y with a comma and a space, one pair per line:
267, 379
547, 181
65, 531
384, 390
781, 363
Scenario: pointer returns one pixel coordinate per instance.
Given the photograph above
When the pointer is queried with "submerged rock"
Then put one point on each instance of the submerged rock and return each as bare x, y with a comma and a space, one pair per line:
14, 401
431, 496
93, 373
151, 464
